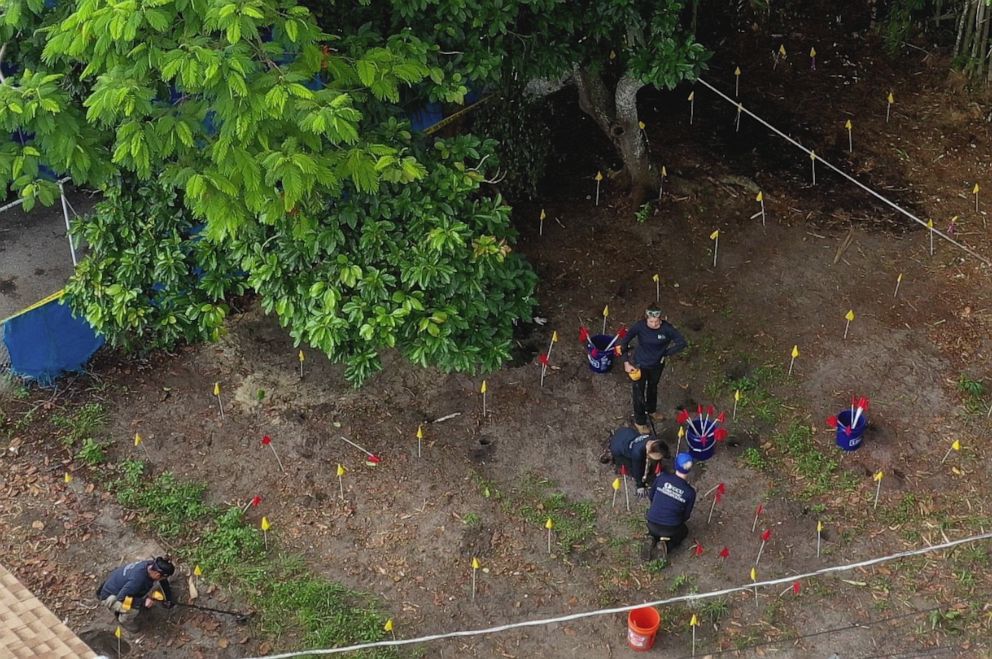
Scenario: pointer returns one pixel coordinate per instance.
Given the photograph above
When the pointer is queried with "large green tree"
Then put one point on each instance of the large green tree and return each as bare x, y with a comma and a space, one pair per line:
282, 141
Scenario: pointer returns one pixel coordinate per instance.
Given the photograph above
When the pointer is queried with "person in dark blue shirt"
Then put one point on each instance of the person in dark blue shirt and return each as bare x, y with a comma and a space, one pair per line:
638, 453
656, 340
126, 590
672, 499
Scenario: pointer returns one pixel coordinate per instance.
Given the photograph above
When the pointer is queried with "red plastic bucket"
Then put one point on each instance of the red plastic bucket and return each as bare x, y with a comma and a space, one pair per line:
642, 626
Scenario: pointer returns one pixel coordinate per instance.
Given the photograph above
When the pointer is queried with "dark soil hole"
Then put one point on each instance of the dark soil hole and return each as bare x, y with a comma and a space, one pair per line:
738, 371
476, 541
742, 442
695, 324
485, 441
104, 642
528, 342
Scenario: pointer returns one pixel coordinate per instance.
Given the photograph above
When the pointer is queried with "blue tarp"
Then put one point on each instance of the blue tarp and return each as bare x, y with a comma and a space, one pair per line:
46, 341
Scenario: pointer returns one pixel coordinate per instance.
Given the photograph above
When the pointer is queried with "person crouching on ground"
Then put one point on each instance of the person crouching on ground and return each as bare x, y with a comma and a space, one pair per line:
672, 499
126, 590
638, 453
656, 340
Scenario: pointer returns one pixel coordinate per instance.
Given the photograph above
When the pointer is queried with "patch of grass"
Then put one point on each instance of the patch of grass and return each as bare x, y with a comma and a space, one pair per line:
714, 609
575, 521
972, 395
471, 519
229, 542
814, 468
754, 458
80, 425
657, 566
166, 504
487, 488
755, 395
92, 452
682, 581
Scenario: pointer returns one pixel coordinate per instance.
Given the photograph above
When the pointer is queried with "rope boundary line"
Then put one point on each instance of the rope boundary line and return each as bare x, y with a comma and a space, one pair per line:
809, 152
623, 609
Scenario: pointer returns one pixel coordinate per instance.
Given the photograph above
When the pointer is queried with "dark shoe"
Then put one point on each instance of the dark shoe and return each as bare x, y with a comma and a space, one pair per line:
644, 430
648, 549
661, 552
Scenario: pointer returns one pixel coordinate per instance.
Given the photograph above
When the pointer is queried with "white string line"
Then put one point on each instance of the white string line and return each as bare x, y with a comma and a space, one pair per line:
624, 609
850, 178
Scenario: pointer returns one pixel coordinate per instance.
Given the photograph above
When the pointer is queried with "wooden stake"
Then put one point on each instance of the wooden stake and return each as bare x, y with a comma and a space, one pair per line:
715, 237
812, 59
657, 287
220, 405
819, 532
930, 226
475, 568
898, 281
712, 506
795, 353
878, 490
483, 389
849, 316
549, 525
616, 489
626, 492
341, 471
955, 446
301, 358
661, 186
737, 122
737, 82
606, 314
139, 442
599, 179
812, 162
692, 105
888, 107
974, 191
754, 578
737, 397
850, 138
420, 439
540, 230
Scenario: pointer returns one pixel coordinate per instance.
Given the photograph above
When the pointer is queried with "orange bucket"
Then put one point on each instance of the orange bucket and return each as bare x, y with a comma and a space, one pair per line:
642, 625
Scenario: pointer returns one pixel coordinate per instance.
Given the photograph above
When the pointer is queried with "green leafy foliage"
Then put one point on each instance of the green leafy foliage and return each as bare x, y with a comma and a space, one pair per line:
92, 452
166, 505
149, 280
228, 542
521, 127
81, 424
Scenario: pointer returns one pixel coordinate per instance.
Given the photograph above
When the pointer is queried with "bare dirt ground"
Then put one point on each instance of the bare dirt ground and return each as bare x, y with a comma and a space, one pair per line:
406, 530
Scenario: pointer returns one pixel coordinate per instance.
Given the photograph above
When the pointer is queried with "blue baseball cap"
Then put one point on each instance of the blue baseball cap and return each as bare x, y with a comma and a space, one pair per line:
683, 462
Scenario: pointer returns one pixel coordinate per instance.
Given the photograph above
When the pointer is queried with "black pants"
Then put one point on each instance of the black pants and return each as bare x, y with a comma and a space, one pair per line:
645, 393
675, 534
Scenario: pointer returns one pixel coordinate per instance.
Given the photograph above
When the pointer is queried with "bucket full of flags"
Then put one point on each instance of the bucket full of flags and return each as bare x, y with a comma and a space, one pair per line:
703, 430
850, 424
601, 348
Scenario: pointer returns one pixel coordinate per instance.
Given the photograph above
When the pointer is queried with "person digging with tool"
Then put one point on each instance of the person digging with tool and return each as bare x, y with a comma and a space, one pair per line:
672, 499
127, 590
639, 453
656, 340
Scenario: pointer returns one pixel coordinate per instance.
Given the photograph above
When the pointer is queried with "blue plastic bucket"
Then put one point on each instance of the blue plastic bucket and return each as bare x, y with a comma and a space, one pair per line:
850, 442
702, 448
600, 359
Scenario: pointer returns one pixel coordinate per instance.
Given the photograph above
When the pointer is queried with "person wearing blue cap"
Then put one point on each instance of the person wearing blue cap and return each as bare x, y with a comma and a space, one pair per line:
672, 499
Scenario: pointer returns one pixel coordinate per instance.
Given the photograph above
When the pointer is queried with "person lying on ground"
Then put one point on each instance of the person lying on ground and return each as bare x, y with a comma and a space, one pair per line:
656, 340
672, 499
126, 590
638, 453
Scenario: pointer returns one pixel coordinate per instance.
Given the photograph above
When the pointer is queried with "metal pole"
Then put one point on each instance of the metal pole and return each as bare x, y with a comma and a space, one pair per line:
68, 234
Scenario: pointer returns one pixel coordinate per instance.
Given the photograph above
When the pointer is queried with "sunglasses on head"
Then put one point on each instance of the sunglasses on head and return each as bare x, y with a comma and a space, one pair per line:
651, 313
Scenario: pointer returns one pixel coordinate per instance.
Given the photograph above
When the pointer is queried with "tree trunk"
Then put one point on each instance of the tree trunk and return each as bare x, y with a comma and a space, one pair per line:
616, 115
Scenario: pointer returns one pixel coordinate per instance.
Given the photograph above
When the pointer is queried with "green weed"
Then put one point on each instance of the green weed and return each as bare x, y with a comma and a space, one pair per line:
755, 459
682, 581
813, 467
575, 521
229, 542
714, 609
166, 505
81, 424
471, 519
973, 395
657, 566
92, 452
643, 213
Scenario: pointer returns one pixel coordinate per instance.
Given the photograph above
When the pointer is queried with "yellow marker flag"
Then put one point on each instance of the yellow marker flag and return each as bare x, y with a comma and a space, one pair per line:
616, 484
543, 215
197, 571
694, 622
117, 632
737, 71
137, 439
754, 574
127, 603
975, 189
781, 50
812, 155
549, 524
656, 278
715, 235
640, 124
483, 388
341, 470
849, 315
760, 197
899, 278
692, 95
613, 54
216, 388
737, 395
302, 358
929, 224
664, 172
878, 476
68, 477
848, 125
606, 311
812, 52
420, 431
554, 336
681, 432
389, 625
599, 176
265, 524
795, 351
956, 445
819, 527
475, 563
891, 99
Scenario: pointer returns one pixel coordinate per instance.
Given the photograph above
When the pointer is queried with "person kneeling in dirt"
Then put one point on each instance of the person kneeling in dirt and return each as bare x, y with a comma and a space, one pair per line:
637, 454
126, 590
672, 499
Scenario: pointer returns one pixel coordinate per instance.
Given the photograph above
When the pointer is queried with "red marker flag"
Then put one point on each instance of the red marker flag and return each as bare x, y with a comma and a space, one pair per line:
721, 489
767, 535
622, 332
720, 434
719, 496
266, 440
757, 512
697, 550
681, 417
722, 418
256, 501
832, 421
796, 587
724, 553
710, 411
543, 359
623, 470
